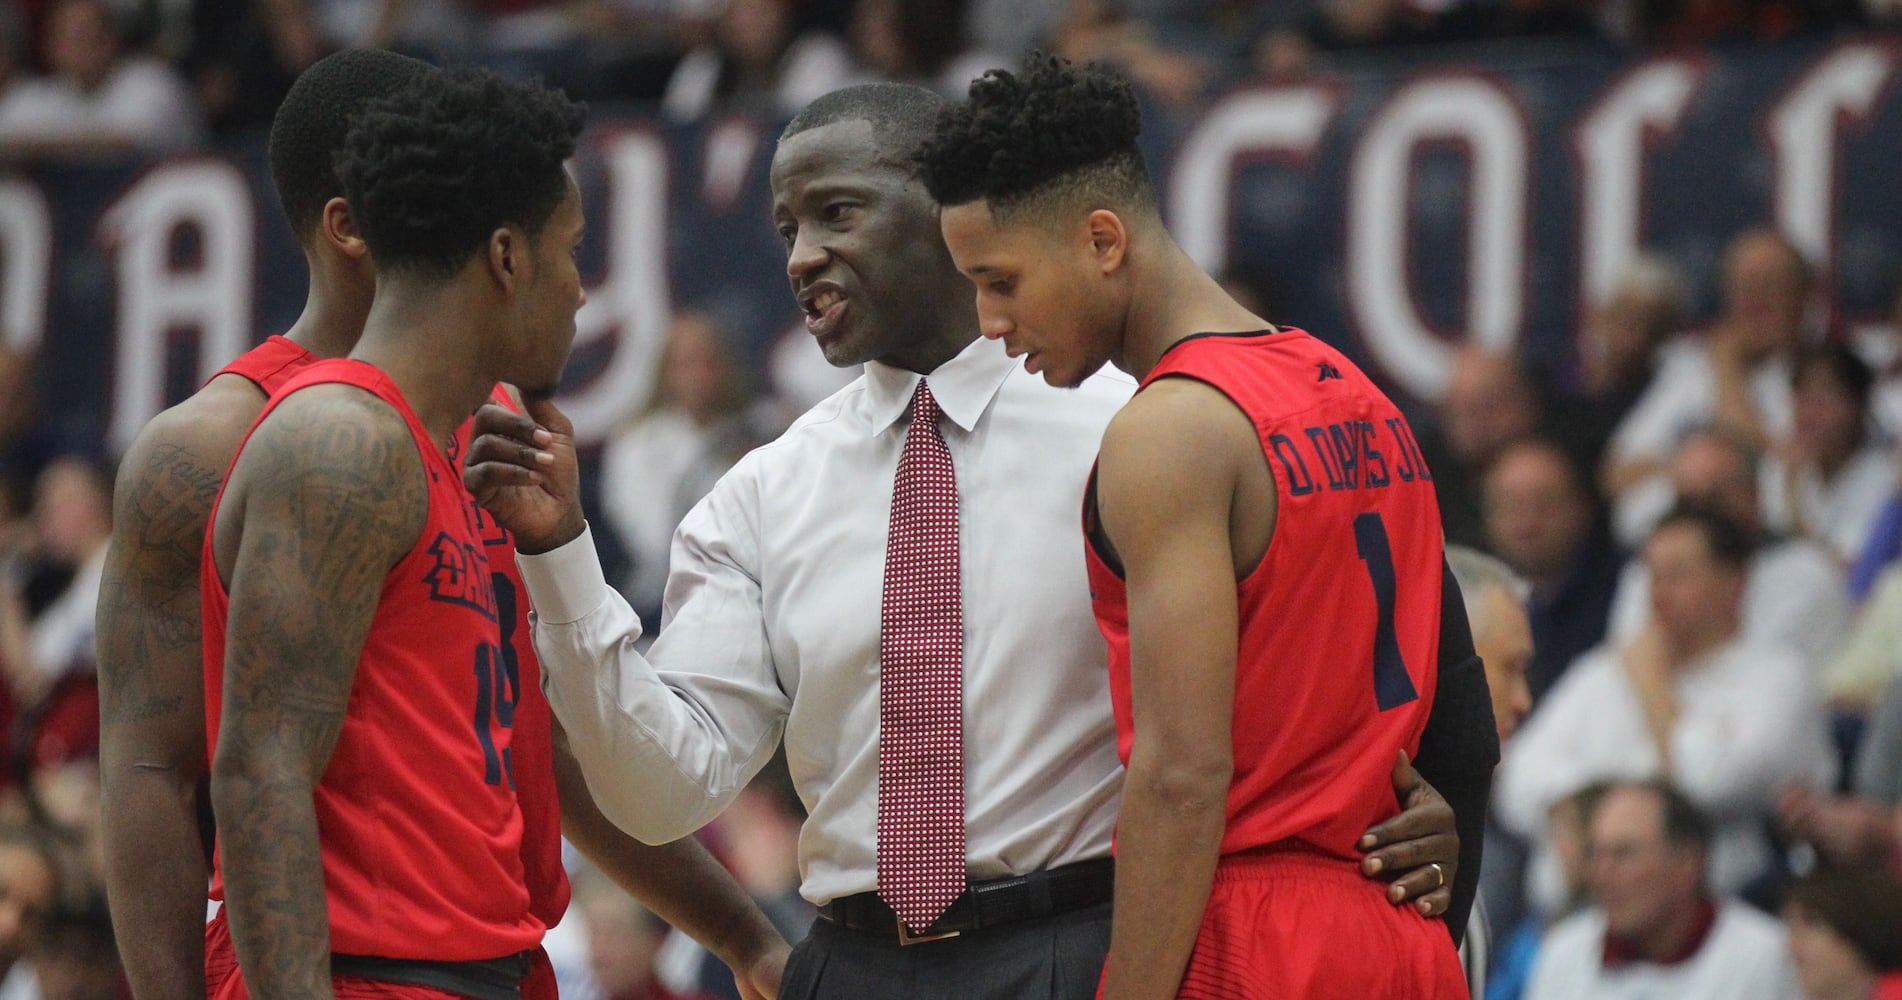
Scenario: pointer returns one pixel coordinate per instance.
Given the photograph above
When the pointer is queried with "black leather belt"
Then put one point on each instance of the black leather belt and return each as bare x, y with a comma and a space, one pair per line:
492, 979
985, 904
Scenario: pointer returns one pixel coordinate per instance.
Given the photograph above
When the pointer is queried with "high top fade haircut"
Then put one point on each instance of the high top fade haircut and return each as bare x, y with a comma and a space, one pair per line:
1054, 135
902, 115
311, 123
436, 167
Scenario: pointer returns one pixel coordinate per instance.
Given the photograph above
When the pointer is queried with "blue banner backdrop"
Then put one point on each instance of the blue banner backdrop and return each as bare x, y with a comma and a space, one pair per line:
1394, 209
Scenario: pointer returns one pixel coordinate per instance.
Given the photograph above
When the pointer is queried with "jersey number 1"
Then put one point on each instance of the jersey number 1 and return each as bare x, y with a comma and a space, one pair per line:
1392, 684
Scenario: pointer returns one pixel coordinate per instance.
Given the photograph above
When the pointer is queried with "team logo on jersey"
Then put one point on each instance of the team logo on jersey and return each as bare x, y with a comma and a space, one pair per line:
1327, 371
461, 575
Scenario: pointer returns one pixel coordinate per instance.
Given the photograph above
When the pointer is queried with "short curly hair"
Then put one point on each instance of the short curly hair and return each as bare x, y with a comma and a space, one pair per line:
313, 120
433, 169
1052, 133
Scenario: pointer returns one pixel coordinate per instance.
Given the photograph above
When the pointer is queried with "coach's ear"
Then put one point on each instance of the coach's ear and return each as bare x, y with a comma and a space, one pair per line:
1109, 240
337, 227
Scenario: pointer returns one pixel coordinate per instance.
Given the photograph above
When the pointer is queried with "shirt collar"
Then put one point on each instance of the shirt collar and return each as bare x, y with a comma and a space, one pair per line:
1618, 953
963, 386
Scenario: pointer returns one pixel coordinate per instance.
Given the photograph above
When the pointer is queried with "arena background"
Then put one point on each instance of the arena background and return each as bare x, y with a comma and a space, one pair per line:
1394, 208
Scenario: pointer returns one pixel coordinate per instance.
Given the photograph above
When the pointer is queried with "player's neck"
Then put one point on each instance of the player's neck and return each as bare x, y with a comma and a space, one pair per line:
433, 343
1171, 300
334, 312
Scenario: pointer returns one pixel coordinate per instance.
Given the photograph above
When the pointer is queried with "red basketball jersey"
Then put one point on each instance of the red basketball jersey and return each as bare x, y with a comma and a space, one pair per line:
270, 364
421, 831
1337, 660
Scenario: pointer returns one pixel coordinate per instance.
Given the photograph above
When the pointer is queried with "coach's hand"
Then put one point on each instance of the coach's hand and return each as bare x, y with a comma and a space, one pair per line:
1405, 849
523, 470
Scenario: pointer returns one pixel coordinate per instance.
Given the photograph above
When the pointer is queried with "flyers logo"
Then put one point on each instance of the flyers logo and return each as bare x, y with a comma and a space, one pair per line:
460, 576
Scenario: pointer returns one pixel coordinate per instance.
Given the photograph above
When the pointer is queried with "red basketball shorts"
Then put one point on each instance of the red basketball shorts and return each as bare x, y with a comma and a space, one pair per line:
1287, 925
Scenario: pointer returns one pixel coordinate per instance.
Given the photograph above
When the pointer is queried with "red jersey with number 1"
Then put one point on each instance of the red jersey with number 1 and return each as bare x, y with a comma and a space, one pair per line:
1336, 665
421, 834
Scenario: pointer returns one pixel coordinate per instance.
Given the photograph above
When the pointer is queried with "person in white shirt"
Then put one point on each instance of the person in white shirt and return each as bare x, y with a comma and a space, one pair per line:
1655, 932
1831, 479
701, 420
1495, 599
1795, 595
97, 100
772, 631
1736, 378
1729, 721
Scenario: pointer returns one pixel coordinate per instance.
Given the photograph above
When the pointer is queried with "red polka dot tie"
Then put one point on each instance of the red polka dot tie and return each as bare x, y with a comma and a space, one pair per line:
920, 701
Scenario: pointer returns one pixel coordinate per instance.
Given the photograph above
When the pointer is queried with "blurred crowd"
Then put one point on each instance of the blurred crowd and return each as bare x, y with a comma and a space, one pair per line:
1699, 528
80, 76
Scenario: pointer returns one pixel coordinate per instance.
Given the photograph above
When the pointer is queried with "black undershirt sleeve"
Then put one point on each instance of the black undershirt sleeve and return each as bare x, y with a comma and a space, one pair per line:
1460, 747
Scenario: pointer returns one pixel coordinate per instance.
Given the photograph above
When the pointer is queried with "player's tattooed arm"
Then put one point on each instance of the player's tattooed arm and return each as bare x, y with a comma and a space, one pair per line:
151, 688
326, 497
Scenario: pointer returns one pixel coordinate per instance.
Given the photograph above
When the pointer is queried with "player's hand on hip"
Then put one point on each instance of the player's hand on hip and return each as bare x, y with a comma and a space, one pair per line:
1417, 851
522, 468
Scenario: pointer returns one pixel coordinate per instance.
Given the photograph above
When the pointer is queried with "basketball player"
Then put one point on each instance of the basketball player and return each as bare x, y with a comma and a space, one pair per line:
1264, 556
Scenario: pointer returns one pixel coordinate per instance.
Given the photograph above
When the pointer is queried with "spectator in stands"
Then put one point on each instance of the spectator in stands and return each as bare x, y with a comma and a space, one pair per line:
1567, 827
29, 893
1489, 403
1865, 826
701, 419
1495, 611
1100, 31
98, 99
243, 57
1795, 596
1688, 699
1618, 354
1829, 482
756, 62
1655, 928
1871, 658
27, 442
624, 938
72, 516
920, 42
1736, 379
1542, 518
1845, 931
77, 958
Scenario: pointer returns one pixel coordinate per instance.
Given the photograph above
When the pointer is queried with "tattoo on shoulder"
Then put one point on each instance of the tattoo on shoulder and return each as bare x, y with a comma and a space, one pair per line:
149, 628
336, 496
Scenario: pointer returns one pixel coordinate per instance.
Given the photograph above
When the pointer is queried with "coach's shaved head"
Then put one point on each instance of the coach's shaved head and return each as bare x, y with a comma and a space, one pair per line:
902, 114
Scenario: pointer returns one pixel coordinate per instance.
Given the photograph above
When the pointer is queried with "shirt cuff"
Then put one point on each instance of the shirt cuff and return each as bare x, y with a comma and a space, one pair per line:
565, 584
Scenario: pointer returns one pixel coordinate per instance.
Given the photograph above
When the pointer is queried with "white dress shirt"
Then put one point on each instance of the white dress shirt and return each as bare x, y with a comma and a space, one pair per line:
1682, 398
142, 101
1746, 957
1839, 512
1750, 719
1795, 596
772, 624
